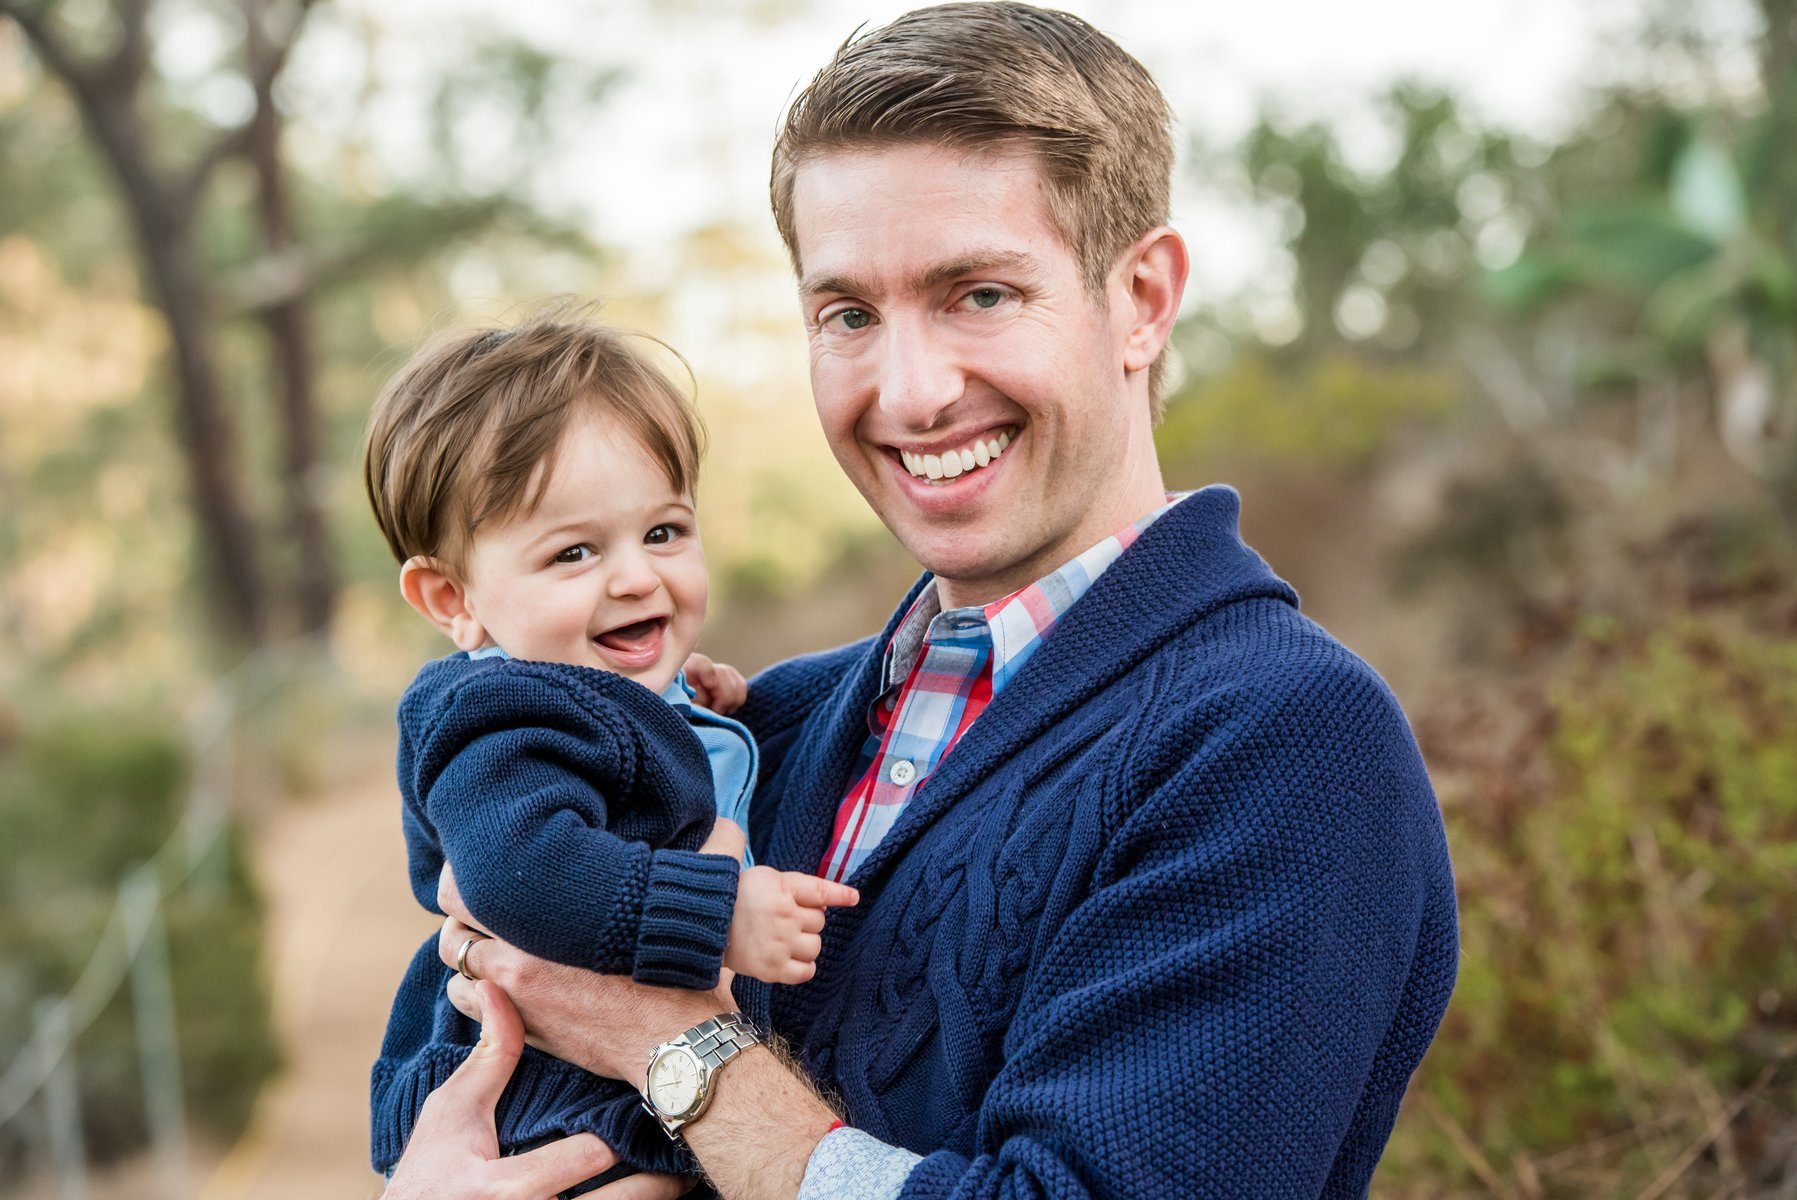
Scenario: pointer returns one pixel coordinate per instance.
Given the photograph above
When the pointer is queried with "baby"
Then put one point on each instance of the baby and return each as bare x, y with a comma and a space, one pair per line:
536, 484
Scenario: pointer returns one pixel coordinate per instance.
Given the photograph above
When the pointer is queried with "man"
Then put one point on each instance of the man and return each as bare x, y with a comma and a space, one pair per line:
1154, 893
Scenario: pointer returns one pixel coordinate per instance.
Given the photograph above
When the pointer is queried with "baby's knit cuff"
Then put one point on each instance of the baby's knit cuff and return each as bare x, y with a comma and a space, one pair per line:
686, 918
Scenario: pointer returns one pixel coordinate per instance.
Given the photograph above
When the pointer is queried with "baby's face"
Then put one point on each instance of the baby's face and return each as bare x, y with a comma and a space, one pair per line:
607, 572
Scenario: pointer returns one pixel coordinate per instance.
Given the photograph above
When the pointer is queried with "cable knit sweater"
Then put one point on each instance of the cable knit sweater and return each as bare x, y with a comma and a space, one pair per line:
1175, 916
571, 802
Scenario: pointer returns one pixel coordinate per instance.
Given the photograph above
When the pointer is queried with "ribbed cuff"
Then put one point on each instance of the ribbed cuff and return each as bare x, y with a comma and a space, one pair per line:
686, 918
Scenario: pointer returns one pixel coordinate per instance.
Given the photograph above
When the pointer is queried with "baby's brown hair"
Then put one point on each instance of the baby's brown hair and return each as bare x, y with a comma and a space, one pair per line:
467, 431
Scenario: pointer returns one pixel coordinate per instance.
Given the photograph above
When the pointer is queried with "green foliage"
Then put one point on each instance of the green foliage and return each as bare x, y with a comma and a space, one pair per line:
1625, 839
84, 797
1341, 412
1407, 233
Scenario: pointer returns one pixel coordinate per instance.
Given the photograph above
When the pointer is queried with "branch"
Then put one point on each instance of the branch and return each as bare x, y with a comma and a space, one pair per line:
269, 56
267, 59
1717, 1127
51, 51
132, 57
228, 144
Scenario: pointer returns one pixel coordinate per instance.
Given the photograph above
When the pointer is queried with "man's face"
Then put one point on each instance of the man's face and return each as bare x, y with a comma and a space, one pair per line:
969, 384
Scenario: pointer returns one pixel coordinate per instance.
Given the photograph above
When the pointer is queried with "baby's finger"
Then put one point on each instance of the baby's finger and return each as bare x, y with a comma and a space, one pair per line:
807, 946
811, 920
813, 892
731, 688
795, 972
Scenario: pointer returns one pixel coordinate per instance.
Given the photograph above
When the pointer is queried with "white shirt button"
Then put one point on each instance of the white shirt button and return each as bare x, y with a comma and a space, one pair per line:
903, 771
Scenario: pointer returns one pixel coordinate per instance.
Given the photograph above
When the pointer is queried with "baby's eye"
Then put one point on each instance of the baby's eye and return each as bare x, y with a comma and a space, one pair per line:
661, 535
573, 554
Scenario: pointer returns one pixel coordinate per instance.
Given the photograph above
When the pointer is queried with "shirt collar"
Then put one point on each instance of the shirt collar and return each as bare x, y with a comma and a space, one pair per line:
1015, 624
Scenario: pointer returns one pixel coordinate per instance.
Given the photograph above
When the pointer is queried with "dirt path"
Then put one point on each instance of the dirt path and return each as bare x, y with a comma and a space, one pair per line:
341, 926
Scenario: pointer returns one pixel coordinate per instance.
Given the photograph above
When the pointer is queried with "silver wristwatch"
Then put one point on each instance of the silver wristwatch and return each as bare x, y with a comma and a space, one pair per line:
683, 1073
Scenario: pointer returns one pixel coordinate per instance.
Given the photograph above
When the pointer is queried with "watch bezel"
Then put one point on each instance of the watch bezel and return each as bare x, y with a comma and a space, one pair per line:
673, 1120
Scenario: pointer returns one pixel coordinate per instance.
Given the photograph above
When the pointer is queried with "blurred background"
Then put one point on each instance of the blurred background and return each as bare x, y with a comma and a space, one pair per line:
1492, 325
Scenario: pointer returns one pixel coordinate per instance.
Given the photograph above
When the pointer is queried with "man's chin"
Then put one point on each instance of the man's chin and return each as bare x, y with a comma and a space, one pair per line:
974, 573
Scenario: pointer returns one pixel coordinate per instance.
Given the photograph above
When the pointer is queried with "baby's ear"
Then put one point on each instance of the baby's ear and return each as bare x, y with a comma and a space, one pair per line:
441, 599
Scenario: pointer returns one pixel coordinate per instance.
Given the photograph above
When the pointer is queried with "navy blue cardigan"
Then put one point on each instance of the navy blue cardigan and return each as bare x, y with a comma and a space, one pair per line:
1175, 916
571, 803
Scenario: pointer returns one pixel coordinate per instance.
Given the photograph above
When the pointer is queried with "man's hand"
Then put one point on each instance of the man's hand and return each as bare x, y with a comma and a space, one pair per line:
454, 1152
717, 686
774, 934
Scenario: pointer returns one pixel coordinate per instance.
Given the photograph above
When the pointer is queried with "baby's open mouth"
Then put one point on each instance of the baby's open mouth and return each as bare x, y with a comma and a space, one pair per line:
638, 637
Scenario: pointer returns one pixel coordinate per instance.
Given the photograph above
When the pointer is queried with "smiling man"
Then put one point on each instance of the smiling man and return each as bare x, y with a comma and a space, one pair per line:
1154, 893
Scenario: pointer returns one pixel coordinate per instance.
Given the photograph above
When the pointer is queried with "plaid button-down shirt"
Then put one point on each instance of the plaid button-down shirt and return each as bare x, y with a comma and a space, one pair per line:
941, 670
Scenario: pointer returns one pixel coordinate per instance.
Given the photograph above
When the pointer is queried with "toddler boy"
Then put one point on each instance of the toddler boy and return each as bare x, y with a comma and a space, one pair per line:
536, 484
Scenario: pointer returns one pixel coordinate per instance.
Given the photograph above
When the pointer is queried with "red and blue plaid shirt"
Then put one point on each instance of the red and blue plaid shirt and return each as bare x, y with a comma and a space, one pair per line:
941, 670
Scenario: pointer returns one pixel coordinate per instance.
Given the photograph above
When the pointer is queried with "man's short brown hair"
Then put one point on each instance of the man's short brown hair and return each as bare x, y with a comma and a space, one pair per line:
467, 431
997, 75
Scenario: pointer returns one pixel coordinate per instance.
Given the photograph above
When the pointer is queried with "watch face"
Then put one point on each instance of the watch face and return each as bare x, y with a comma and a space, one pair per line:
674, 1081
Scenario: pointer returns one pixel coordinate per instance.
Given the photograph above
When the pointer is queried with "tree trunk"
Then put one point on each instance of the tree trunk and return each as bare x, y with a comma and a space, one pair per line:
288, 325
108, 101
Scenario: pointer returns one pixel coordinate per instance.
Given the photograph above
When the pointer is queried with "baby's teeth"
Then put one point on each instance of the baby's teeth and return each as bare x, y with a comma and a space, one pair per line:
932, 466
951, 465
981, 455
967, 460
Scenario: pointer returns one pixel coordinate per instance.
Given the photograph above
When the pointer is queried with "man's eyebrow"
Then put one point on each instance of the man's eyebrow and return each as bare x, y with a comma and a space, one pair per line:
978, 262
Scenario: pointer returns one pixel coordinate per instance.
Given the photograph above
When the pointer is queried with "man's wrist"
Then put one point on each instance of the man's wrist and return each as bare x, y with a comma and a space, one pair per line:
684, 1073
762, 1129
663, 1014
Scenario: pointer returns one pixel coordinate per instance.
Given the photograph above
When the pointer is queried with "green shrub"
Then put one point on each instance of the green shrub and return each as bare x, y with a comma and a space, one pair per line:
1625, 842
84, 798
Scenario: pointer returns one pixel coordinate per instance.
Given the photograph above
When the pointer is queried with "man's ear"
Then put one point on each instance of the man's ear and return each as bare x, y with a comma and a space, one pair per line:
1154, 275
442, 600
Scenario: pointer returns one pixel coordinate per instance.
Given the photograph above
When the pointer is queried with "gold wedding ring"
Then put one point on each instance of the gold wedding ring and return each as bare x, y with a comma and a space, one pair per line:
461, 957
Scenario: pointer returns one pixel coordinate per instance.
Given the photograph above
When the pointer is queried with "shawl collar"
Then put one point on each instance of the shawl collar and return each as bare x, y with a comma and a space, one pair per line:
1185, 566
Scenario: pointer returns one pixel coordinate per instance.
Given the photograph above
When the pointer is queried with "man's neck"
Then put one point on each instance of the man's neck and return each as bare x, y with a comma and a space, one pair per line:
1128, 509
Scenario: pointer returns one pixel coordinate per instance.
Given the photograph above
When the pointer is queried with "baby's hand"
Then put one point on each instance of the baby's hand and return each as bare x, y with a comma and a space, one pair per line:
779, 914
717, 686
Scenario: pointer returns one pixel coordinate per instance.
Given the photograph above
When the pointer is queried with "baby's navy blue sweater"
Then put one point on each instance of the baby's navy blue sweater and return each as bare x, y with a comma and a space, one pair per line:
571, 803
1174, 918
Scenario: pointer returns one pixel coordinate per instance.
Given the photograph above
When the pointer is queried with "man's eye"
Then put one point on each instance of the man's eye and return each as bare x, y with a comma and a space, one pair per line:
851, 318
986, 297
661, 535
573, 554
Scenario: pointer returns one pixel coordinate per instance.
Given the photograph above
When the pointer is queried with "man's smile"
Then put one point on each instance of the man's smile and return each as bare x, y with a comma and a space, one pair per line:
957, 460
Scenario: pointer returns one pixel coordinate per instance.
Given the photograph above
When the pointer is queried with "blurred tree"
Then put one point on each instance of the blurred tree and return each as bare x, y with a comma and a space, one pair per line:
274, 275
164, 187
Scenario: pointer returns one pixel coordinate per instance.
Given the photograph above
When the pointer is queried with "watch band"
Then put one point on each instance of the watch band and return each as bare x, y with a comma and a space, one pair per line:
714, 1042
721, 1038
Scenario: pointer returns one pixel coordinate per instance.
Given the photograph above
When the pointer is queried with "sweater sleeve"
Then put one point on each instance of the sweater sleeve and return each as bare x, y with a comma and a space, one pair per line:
1265, 950
521, 780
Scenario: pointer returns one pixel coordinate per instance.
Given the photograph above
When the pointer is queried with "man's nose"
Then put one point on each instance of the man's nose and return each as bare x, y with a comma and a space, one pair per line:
920, 376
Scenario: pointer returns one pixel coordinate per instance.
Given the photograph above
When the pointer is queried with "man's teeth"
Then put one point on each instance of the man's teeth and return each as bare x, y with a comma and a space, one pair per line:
956, 462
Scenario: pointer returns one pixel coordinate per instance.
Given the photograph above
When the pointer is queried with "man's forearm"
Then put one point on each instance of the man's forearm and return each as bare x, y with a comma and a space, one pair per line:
757, 1137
